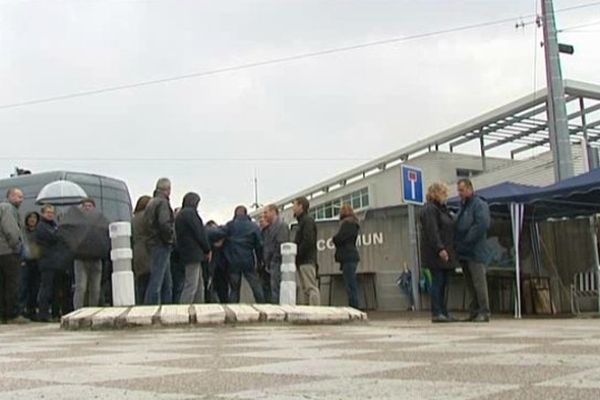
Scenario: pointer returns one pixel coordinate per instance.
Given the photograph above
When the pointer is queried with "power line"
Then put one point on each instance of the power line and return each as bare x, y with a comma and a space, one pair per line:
275, 60
184, 159
579, 26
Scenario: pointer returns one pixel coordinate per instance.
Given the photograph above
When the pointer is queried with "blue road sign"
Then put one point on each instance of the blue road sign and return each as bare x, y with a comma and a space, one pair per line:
412, 185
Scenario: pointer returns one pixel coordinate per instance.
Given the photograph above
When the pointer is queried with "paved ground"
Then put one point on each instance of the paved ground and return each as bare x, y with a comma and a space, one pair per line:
385, 359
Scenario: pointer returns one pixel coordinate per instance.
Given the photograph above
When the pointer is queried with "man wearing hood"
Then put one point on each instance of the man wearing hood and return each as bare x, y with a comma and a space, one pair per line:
159, 224
243, 251
192, 245
470, 237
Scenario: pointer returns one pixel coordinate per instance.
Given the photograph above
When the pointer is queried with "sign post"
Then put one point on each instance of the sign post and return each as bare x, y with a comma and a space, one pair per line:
412, 194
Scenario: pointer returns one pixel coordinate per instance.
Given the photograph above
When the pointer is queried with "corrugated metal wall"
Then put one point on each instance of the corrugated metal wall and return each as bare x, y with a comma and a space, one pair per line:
383, 250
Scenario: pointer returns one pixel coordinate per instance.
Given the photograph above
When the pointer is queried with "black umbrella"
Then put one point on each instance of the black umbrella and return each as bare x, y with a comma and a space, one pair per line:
86, 233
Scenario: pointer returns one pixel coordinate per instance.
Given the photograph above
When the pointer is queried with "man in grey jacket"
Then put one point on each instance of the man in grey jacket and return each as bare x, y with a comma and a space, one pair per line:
276, 233
10, 248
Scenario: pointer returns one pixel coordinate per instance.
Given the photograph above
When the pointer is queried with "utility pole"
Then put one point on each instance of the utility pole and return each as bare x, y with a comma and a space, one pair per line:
556, 105
256, 205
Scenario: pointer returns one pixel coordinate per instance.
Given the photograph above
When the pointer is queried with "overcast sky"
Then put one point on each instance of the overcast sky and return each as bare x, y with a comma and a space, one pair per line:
340, 110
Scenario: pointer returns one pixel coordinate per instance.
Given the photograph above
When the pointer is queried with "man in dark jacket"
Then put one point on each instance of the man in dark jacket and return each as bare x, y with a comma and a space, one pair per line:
55, 259
218, 270
159, 223
243, 250
192, 244
276, 233
470, 238
306, 259
87, 266
10, 249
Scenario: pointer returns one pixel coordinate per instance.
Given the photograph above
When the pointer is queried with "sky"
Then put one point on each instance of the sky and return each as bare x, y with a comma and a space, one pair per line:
292, 124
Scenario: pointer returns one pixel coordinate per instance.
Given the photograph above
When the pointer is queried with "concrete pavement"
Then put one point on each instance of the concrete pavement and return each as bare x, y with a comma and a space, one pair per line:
382, 359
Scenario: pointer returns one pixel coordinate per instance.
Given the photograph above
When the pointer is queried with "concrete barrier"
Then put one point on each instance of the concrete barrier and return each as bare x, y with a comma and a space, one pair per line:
206, 315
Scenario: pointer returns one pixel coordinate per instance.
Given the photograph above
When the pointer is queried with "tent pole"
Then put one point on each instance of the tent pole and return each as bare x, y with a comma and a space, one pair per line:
515, 213
593, 228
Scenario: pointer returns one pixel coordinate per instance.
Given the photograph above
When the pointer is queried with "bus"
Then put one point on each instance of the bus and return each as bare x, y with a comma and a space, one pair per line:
111, 195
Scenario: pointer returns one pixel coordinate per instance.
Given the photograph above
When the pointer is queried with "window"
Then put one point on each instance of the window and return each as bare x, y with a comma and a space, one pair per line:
358, 200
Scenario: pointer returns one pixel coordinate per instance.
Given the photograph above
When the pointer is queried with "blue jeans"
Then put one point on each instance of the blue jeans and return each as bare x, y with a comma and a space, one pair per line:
438, 292
351, 283
235, 280
160, 286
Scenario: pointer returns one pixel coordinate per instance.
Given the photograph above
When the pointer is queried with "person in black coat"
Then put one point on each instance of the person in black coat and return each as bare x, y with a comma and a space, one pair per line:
346, 252
243, 249
437, 252
192, 245
218, 269
306, 258
54, 261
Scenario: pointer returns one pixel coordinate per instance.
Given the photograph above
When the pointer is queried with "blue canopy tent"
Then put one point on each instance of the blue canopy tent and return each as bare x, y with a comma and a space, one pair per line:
577, 196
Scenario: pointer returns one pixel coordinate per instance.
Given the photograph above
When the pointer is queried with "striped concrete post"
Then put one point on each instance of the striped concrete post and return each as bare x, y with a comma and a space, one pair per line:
121, 255
287, 289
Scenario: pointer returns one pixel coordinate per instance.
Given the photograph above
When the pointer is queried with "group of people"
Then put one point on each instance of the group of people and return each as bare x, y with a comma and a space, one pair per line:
450, 241
41, 276
179, 259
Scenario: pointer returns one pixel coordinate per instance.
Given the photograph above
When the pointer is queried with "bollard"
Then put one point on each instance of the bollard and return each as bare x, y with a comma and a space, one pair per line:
121, 255
287, 289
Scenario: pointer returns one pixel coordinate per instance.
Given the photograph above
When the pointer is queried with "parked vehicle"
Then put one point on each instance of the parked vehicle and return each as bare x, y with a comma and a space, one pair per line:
111, 195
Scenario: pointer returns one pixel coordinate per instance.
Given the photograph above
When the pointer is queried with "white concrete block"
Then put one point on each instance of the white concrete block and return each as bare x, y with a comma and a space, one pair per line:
209, 314
310, 314
270, 312
109, 317
175, 314
241, 313
81, 318
141, 315
355, 314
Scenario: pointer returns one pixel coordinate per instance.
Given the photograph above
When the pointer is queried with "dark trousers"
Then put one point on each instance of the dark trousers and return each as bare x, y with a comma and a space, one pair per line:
351, 282
439, 283
476, 281
29, 286
207, 277
55, 292
265, 281
106, 285
220, 285
9, 286
141, 284
235, 280
178, 277
275, 282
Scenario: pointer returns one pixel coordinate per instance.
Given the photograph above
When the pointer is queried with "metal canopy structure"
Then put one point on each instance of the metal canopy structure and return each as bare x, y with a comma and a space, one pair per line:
512, 129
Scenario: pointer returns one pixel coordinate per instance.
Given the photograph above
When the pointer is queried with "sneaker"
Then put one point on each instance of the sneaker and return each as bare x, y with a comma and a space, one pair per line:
42, 318
482, 318
439, 319
20, 320
450, 318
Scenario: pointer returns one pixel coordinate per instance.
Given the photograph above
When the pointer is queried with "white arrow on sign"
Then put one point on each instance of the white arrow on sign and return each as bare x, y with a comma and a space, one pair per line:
412, 177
